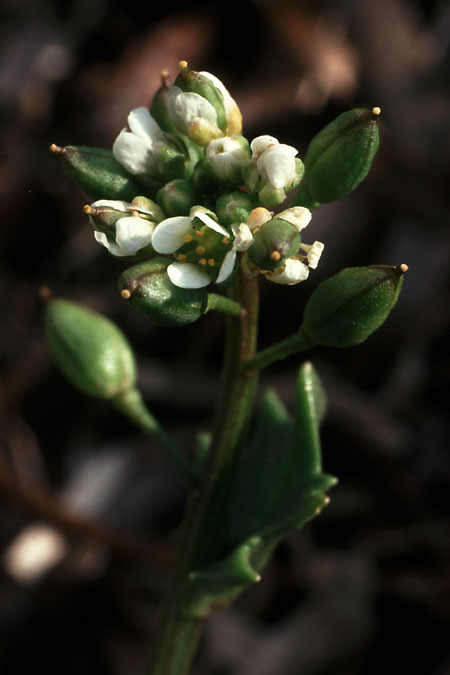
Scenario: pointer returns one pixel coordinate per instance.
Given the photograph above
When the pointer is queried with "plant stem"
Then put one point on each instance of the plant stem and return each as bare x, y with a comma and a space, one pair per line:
291, 345
177, 637
131, 405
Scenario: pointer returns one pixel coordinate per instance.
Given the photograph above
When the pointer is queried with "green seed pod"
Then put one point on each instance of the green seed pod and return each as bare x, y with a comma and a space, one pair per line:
339, 157
90, 349
234, 207
98, 173
147, 287
273, 242
177, 198
349, 306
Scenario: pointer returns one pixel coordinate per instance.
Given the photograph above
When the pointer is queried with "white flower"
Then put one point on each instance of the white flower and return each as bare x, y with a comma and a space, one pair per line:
134, 149
227, 155
170, 235
292, 273
298, 216
313, 253
193, 115
132, 234
275, 161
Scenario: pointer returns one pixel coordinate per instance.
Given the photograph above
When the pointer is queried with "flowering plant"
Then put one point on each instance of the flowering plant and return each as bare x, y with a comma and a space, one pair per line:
193, 204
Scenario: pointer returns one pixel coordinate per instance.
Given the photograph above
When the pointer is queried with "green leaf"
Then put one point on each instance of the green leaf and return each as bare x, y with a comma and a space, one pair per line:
278, 486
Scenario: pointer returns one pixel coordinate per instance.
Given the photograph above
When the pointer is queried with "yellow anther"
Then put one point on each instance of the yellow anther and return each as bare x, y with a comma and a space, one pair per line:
376, 110
182, 65
404, 268
134, 213
125, 294
225, 240
187, 238
57, 149
200, 250
211, 262
275, 255
87, 208
199, 233
202, 261
181, 257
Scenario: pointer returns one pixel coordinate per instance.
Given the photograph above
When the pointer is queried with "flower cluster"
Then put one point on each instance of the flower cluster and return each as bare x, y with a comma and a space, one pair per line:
207, 191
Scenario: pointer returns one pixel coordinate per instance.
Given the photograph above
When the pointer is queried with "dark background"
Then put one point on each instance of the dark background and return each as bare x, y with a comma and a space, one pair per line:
365, 588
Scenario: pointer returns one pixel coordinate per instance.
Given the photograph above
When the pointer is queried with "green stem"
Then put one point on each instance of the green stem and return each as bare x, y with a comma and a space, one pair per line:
177, 637
221, 303
291, 345
131, 405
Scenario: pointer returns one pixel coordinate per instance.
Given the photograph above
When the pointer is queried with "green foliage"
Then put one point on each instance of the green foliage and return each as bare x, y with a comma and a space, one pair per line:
277, 485
89, 349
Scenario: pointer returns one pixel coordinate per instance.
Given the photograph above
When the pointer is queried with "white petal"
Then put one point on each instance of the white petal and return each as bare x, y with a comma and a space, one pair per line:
261, 143
227, 267
102, 239
243, 237
117, 205
209, 222
144, 126
294, 271
186, 107
132, 234
299, 216
168, 234
188, 275
134, 153
278, 162
313, 252
228, 101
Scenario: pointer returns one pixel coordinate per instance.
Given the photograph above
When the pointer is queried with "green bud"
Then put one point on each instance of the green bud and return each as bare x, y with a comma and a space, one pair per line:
147, 287
349, 306
226, 157
177, 197
203, 179
273, 242
339, 157
191, 81
98, 173
90, 350
234, 207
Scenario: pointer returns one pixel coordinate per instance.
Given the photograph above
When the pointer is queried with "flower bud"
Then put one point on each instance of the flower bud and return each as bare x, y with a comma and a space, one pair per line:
147, 287
275, 241
339, 157
225, 158
200, 107
233, 207
177, 197
346, 308
98, 173
90, 349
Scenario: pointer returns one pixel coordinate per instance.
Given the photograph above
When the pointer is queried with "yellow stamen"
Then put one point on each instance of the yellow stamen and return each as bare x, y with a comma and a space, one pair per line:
187, 238
57, 149
404, 268
225, 240
202, 261
376, 110
181, 257
182, 65
275, 255
125, 294
200, 250
87, 208
211, 262
199, 233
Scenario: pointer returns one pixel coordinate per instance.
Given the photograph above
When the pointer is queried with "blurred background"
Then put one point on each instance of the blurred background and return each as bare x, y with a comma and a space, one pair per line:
86, 502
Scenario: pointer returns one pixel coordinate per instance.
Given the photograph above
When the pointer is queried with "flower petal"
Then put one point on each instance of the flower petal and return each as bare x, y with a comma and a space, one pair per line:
278, 162
134, 153
261, 143
313, 252
143, 125
299, 216
132, 234
168, 234
227, 267
293, 272
102, 239
243, 237
117, 205
209, 222
188, 275
186, 107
